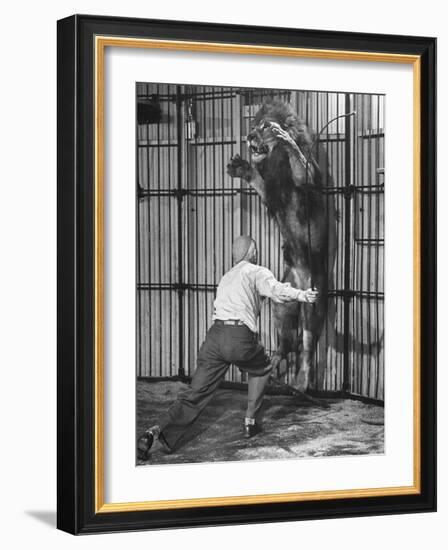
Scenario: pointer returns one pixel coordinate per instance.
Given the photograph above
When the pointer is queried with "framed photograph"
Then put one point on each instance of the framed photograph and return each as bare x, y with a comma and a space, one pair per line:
246, 274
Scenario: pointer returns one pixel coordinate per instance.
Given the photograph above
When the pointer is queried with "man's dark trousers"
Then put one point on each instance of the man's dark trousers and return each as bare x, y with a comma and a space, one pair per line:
224, 345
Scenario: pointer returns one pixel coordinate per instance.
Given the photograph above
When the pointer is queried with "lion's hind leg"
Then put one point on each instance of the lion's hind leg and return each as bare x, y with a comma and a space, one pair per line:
287, 323
313, 317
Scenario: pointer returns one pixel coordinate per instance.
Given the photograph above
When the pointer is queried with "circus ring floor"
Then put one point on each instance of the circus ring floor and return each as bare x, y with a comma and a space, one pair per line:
292, 428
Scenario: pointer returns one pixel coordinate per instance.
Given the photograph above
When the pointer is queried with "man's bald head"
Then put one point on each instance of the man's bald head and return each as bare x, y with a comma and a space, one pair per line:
244, 248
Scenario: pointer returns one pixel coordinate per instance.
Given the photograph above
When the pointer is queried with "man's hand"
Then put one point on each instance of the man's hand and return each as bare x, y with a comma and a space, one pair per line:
278, 131
310, 296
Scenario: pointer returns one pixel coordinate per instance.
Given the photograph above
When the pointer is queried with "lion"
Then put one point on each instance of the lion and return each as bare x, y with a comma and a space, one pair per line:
288, 172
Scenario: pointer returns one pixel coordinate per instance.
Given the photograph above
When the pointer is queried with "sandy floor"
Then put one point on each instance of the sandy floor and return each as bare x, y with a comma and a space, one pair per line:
291, 428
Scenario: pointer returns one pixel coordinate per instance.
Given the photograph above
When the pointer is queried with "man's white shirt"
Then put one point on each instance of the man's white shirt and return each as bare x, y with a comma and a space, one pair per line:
241, 289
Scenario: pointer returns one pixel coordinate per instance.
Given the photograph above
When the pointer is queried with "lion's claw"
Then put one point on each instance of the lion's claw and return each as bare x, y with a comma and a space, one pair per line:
239, 168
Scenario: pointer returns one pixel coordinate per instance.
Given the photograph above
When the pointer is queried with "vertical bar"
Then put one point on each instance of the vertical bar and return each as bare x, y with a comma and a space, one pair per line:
232, 102
370, 167
347, 225
188, 254
213, 198
331, 181
195, 90
159, 245
340, 255
242, 129
355, 172
223, 197
151, 348
180, 275
379, 164
205, 217
188, 258
325, 159
138, 293
361, 245
250, 197
170, 254
378, 236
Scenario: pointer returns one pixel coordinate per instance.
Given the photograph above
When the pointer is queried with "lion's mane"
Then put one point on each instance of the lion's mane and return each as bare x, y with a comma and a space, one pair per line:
276, 169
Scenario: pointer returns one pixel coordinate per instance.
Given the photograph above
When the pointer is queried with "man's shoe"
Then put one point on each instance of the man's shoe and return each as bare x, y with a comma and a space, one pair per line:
251, 429
144, 444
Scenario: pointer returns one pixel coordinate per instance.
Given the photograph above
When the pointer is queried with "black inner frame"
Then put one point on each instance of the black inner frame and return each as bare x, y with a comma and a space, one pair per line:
75, 429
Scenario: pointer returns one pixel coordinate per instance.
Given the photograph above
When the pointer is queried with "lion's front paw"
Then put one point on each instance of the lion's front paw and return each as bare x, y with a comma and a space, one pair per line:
239, 168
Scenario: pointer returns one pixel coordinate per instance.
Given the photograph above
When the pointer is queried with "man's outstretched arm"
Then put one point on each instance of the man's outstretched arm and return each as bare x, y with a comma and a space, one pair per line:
267, 285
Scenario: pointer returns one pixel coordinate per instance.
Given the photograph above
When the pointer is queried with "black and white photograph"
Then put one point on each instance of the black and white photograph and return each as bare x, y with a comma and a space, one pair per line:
259, 273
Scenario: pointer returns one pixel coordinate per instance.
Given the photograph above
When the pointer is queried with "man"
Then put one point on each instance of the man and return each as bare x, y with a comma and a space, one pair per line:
232, 339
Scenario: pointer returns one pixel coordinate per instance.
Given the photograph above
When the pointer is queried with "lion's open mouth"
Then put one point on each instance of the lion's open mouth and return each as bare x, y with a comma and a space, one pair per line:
258, 149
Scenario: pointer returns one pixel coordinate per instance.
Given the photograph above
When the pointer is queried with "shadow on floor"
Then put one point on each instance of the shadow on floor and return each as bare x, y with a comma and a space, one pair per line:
291, 428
